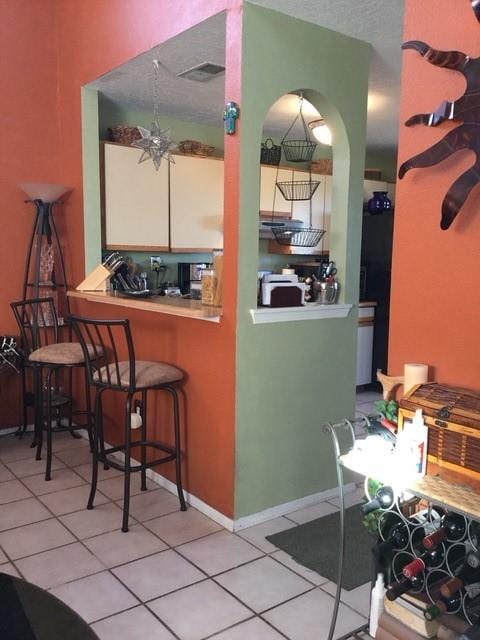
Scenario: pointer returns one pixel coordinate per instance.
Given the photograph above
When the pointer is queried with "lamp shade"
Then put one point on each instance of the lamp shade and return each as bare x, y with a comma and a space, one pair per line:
44, 191
321, 131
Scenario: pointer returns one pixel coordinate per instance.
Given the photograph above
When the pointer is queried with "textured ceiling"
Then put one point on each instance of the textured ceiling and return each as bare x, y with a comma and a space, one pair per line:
132, 85
379, 22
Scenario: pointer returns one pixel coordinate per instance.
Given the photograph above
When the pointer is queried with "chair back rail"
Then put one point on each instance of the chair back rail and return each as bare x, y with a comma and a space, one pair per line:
37, 321
109, 352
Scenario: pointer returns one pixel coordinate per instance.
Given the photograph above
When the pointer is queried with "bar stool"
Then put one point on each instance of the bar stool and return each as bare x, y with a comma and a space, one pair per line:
127, 376
49, 358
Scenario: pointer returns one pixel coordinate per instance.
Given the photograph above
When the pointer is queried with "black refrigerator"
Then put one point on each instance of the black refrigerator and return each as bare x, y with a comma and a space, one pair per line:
377, 244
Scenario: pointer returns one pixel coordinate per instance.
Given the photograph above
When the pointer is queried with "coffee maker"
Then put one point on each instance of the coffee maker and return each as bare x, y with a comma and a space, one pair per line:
189, 275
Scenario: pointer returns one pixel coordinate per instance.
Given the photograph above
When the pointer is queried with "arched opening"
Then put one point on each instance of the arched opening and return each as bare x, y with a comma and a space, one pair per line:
301, 136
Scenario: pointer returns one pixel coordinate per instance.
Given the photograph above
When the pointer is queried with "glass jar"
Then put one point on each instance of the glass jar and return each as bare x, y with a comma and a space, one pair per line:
209, 286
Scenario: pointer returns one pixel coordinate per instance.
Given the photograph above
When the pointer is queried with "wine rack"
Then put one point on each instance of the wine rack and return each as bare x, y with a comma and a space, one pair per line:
420, 554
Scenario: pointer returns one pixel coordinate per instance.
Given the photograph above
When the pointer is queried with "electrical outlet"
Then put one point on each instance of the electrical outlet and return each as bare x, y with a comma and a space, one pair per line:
155, 263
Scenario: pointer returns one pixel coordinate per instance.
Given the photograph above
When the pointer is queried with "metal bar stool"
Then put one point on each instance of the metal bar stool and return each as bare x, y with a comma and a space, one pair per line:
48, 358
128, 376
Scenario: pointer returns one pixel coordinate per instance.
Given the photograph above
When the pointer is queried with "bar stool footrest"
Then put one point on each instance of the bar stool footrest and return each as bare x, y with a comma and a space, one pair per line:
120, 466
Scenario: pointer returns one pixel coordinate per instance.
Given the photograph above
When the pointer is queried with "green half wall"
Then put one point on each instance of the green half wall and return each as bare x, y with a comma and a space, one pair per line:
294, 376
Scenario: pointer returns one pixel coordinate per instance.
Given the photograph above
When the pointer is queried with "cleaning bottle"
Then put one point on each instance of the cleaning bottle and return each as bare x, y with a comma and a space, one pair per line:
412, 442
419, 435
376, 604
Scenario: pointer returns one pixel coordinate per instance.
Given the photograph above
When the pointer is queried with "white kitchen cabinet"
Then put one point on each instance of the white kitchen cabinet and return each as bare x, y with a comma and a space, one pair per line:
196, 204
268, 191
135, 201
366, 321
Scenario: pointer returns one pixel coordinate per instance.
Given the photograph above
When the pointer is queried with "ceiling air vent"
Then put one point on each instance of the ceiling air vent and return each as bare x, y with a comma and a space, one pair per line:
202, 72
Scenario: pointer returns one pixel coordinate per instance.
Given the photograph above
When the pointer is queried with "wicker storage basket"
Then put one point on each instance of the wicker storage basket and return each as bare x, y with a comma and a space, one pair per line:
452, 416
270, 153
195, 148
124, 134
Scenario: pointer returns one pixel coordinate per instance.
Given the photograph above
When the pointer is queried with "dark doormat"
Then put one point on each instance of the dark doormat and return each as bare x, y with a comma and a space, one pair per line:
315, 546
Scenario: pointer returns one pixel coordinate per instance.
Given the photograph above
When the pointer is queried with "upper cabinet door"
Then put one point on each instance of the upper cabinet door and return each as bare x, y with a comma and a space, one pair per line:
136, 201
196, 204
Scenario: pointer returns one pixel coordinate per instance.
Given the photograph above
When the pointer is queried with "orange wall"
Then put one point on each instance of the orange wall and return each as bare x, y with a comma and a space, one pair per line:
28, 151
90, 38
435, 306
29, 133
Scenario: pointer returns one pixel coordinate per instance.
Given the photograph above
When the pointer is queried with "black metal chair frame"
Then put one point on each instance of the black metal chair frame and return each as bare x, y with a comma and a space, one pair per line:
103, 370
36, 332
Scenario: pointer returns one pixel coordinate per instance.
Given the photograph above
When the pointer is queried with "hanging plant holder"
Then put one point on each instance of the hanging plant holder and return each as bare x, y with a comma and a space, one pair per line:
298, 237
298, 149
298, 189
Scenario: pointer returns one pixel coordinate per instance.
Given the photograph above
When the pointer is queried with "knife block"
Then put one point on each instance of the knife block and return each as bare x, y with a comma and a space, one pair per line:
96, 280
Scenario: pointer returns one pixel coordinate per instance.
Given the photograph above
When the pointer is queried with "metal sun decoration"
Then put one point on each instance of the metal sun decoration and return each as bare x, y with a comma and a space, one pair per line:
155, 144
465, 109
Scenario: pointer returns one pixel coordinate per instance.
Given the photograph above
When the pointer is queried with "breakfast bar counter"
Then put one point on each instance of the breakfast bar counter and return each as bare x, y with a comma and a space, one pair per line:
174, 306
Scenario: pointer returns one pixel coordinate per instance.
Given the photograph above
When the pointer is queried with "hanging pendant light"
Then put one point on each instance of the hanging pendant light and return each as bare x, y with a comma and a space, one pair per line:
321, 131
156, 144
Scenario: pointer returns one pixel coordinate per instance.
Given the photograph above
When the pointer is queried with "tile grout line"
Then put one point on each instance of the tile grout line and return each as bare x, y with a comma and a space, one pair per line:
172, 548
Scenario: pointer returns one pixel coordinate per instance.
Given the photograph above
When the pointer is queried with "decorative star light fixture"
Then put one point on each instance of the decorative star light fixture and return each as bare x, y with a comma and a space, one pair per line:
155, 143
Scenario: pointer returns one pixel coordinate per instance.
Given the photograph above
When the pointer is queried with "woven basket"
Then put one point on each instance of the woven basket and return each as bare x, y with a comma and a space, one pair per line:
270, 153
195, 148
124, 134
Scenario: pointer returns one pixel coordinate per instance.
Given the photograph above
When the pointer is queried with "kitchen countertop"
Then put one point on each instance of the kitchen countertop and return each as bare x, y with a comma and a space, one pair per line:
174, 306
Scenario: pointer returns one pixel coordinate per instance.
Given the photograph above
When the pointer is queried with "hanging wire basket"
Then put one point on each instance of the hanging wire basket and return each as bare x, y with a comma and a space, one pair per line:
298, 189
298, 149
298, 237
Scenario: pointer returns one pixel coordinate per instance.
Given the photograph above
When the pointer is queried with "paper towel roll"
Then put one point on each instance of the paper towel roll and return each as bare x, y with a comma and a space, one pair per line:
414, 374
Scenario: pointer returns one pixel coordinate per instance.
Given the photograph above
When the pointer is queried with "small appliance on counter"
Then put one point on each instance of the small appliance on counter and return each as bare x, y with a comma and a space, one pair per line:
282, 290
189, 276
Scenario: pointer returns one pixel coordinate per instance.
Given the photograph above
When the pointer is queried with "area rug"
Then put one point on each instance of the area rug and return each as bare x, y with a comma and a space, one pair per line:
315, 546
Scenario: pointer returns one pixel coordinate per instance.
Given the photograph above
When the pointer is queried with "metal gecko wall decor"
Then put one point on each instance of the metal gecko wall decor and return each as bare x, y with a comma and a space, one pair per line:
465, 109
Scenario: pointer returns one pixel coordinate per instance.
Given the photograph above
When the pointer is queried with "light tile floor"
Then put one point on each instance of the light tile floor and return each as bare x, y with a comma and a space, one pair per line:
174, 575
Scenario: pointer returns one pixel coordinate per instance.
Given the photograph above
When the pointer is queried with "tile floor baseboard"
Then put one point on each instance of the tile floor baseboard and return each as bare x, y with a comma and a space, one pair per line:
252, 519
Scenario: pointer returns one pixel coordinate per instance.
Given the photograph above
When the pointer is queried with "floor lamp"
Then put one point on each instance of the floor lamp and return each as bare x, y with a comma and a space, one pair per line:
45, 267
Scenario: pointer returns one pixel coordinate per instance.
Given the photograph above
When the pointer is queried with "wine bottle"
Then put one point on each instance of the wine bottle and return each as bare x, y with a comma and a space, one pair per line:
429, 558
474, 533
472, 609
468, 575
397, 589
396, 540
443, 605
383, 499
454, 527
